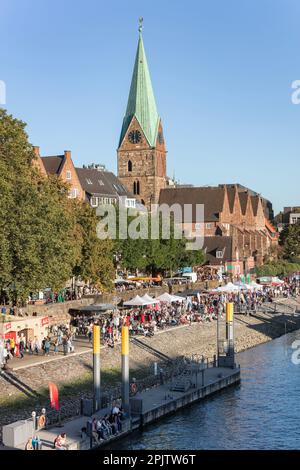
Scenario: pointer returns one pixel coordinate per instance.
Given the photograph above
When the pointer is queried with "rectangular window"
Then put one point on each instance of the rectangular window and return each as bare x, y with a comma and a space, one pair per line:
219, 254
130, 202
208, 225
94, 201
73, 193
68, 175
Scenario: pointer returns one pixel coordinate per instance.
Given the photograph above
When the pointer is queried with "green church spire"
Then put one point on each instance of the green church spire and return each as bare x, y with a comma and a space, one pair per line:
141, 101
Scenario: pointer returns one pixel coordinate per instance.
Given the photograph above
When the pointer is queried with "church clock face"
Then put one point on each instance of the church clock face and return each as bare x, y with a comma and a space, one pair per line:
134, 137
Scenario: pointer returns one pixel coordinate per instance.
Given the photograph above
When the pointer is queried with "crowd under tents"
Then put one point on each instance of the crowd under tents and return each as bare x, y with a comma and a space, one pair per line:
146, 300
237, 287
168, 298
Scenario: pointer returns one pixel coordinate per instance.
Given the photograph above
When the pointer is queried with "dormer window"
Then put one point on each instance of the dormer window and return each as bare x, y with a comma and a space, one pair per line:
88, 181
100, 182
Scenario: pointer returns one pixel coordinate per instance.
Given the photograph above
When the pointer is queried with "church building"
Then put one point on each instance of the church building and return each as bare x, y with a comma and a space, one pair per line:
237, 231
142, 150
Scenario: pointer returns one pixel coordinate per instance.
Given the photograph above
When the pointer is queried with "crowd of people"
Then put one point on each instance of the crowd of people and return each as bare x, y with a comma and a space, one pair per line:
60, 337
107, 426
202, 307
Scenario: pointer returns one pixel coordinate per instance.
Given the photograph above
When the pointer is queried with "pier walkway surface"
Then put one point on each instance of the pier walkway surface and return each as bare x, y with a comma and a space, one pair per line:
157, 402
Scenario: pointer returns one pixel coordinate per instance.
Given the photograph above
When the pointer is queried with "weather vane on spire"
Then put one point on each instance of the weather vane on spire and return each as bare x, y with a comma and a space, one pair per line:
141, 20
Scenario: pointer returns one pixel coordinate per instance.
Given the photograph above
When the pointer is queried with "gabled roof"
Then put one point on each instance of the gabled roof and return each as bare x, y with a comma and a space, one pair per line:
211, 197
255, 203
97, 182
53, 164
141, 101
243, 201
217, 243
231, 191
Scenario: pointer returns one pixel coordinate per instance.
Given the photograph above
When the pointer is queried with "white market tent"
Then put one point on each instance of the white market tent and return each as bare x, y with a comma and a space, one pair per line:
169, 298
149, 299
137, 301
254, 285
177, 298
242, 286
228, 288
123, 281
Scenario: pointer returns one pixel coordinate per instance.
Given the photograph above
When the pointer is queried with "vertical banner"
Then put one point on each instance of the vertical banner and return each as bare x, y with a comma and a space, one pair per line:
54, 396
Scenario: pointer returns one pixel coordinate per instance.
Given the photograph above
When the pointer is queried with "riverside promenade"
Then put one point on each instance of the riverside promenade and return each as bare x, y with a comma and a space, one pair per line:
147, 406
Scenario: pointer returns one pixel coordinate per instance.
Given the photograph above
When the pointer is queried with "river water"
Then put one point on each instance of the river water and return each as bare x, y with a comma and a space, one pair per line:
262, 413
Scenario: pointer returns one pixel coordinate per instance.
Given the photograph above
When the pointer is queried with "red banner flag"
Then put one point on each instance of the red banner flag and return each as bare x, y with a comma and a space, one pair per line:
53, 396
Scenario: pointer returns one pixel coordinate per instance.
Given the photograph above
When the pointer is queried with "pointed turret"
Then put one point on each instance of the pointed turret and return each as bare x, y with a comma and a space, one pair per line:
141, 102
142, 150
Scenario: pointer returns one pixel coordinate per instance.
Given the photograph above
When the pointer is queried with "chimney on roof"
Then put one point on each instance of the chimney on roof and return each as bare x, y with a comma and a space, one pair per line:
36, 150
68, 154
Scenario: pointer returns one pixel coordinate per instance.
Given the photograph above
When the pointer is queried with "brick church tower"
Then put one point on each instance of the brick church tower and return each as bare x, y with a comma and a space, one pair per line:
141, 151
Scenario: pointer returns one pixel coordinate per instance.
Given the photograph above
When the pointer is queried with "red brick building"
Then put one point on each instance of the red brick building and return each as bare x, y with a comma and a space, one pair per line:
236, 229
63, 167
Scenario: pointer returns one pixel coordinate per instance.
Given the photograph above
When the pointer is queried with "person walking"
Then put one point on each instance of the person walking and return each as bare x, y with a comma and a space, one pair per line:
37, 346
30, 346
46, 346
65, 346
55, 344
21, 348
12, 346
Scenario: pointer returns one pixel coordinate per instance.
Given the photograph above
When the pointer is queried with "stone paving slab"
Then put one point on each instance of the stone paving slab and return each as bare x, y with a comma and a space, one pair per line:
72, 429
162, 394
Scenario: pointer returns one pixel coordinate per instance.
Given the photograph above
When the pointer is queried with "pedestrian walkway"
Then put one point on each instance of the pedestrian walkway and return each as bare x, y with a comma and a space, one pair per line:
81, 345
75, 438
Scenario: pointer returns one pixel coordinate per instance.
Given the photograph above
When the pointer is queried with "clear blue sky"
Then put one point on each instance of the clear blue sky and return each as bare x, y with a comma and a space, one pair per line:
221, 72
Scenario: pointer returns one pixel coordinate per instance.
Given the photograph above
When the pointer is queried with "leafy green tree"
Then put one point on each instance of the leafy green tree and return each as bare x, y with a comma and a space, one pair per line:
95, 261
277, 268
155, 255
290, 241
37, 222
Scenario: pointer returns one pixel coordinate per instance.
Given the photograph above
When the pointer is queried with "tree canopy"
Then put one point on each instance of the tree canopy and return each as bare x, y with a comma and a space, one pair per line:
290, 242
45, 237
155, 255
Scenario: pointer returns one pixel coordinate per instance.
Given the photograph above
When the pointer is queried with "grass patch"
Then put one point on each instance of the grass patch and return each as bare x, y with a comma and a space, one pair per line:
73, 389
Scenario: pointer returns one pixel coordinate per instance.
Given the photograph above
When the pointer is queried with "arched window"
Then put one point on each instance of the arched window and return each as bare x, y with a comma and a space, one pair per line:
136, 187
129, 165
143, 202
